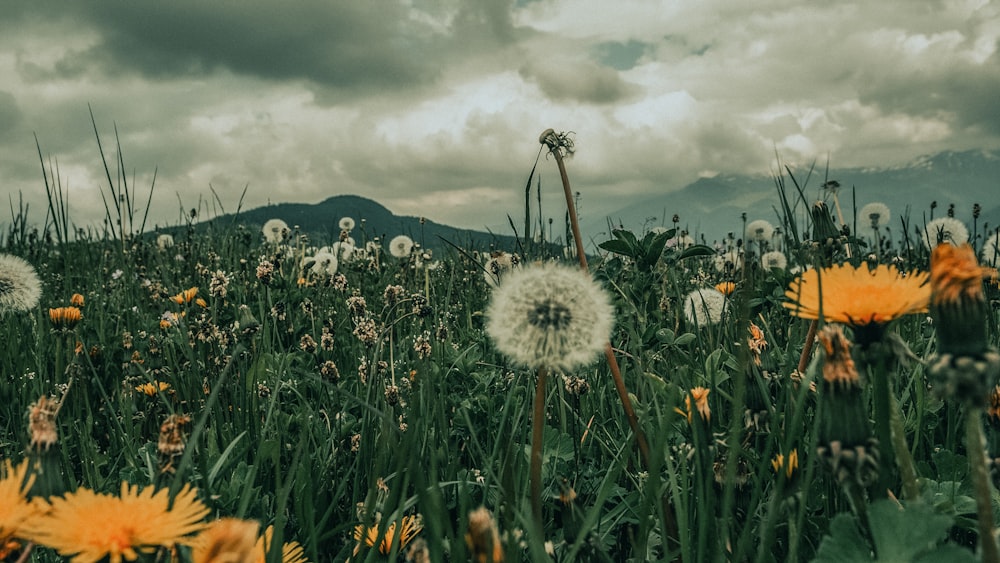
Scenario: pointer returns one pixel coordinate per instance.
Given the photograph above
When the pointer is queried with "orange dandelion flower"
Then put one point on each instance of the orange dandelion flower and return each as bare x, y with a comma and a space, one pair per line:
185, 296
726, 288
789, 465
76, 300
91, 526
291, 552
483, 537
858, 296
956, 274
201, 302
700, 395
153, 387
839, 368
42, 424
15, 510
226, 540
65, 317
756, 342
409, 527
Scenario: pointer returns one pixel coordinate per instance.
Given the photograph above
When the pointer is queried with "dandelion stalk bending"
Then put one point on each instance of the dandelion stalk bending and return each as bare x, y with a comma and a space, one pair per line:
557, 144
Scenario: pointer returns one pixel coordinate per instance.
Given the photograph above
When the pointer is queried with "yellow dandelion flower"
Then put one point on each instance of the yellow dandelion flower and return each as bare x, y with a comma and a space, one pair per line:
408, 529
65, 317
91, 526
790, 464
291, 552
858, 296
226, 540
76, 300
700, 395
726, 288
15, 510
185, 296
956, 274
151, 388
201, 302
483, 537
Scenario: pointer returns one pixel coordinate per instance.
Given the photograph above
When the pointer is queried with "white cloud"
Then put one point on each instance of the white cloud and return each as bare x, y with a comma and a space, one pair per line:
427, 125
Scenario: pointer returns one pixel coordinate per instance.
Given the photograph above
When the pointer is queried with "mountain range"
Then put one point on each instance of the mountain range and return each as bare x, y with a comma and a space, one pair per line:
320, 222
708, 208
714, 206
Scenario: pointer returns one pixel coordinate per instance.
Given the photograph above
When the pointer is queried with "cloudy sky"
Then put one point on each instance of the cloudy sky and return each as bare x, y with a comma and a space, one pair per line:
434, 107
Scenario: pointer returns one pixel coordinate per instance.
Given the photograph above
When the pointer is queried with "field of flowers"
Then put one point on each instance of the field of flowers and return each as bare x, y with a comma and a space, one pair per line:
822, 387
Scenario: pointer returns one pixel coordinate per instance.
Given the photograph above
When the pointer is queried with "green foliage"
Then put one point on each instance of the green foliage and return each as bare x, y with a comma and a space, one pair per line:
899, 535
303, 418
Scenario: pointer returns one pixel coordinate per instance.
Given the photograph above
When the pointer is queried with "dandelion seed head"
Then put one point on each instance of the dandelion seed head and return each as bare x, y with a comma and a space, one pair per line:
164, 241
324, 263
20, 288
875, 214
346, 223
550, 315
401, 246
498, 265
774, 259
760, 230
944, 229
275, 231
991, 250
705, 307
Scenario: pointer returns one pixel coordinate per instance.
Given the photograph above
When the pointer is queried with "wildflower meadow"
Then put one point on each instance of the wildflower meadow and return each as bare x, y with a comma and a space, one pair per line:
822, 386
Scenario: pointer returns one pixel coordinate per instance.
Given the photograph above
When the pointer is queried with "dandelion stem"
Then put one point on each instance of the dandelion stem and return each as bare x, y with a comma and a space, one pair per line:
975, 444
807, 346
549, 138
537, 433
907, 471
26, 554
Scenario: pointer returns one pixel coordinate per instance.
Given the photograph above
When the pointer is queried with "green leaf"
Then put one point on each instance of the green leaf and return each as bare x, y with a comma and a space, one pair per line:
627, 236
654, 248
845, 544
900, 535
685, 339
616, 246
697, 250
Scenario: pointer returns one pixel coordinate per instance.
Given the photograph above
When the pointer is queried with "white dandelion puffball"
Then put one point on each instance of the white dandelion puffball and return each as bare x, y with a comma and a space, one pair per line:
164, 241
346, 224
874, 215
343, 250
729, 261
991, 249
275, 230
324, 263
760, 230
20, 288
550, 316
499, 264
774, 259
705, 307
401, 246
944, 229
